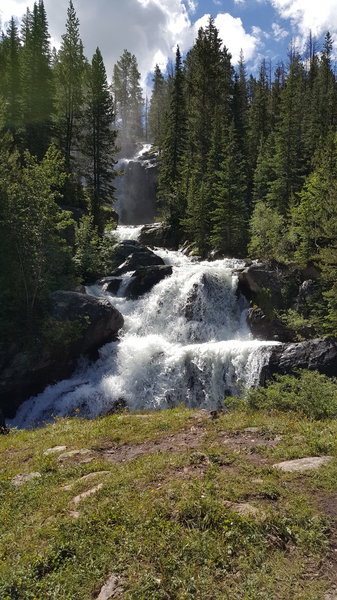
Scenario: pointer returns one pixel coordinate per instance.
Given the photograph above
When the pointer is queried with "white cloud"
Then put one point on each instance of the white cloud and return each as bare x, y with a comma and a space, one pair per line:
305, 15
16, 8
234, 35
150, 29
278, 32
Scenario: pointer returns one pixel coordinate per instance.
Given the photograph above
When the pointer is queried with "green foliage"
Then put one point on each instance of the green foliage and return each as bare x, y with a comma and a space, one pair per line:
267, 233
93, 253
308, 393
35, 255
128, 99
100, 137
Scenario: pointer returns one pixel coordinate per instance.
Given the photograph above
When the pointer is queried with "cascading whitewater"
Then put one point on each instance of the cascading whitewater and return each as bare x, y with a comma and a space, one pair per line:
187, 341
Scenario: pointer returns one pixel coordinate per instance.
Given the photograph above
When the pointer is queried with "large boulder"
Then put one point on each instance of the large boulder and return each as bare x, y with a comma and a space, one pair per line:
123, 249
79, 325
145, 278
110, 285
159, 235
262, 283
98, 320
266, 328
319, 354
136, 260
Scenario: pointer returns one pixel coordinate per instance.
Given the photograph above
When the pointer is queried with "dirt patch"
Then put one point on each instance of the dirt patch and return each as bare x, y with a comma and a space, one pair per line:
178, 442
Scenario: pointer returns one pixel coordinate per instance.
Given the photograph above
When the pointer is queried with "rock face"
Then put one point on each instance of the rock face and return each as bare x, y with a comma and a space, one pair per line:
264, 328
139, 259
158, 235
101, 320
319, 354
261, 280
110, 285
145, 278
95, 322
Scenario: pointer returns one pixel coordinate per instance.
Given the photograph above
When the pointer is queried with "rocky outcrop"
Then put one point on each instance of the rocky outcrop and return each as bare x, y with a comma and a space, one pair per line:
98, 320
110, 285
261, 282
266, 328
139, 259
319, 354
159, 235
79, 325
145, 278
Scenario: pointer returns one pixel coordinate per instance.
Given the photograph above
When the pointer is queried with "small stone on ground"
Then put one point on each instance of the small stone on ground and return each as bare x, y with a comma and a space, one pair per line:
54, 450
86, 494
23, 478
73, 454
67, 488
244, 509
111, 589
303, 464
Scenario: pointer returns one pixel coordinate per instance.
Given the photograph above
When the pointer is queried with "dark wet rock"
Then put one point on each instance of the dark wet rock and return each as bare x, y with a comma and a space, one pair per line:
110, 284
86, 324
145, 278
266, 328
123, 249
136, 260
319, 354
262, 282
159, 235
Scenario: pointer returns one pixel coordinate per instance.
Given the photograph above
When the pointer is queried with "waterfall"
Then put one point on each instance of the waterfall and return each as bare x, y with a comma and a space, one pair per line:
136, 187
185, 341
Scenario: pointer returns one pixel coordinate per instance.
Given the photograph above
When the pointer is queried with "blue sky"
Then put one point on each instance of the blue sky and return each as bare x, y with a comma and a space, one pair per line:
152, 28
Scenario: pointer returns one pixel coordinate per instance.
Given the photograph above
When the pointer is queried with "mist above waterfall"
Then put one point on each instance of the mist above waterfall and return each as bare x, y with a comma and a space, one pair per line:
186, 341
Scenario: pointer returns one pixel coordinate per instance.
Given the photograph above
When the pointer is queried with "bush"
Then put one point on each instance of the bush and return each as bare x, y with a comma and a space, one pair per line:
308, 393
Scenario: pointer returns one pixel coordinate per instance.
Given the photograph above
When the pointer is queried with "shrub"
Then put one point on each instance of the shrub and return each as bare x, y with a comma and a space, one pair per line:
308, 393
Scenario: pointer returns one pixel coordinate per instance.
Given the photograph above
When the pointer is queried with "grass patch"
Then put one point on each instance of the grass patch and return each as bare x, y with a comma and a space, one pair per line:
166, 522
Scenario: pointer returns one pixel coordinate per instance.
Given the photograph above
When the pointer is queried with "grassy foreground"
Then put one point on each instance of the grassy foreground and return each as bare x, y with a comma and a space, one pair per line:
186, 507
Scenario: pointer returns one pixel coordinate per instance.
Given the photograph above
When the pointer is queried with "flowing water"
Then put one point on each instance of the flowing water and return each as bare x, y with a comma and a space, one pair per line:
187, 341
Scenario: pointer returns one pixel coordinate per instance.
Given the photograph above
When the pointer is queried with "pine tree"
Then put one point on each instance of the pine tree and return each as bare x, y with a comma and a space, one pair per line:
230, 215
209, 93
69, 74
37, 84
158, 108
128, 100
172, 157
100, 140
259, 114
289, 160
11, 79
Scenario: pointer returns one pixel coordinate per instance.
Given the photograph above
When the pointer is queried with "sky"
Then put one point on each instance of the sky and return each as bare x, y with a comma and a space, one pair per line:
151, 29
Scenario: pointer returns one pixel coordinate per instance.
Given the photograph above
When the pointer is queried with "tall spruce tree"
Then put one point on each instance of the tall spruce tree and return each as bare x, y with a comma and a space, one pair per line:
230, 215
100, 140
69, 80
173, 152
128, 100
37, 84
158, 108
209, 94
11, 83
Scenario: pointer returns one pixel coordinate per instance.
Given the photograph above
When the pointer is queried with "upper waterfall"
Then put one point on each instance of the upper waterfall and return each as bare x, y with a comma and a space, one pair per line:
187, 341
136, 186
